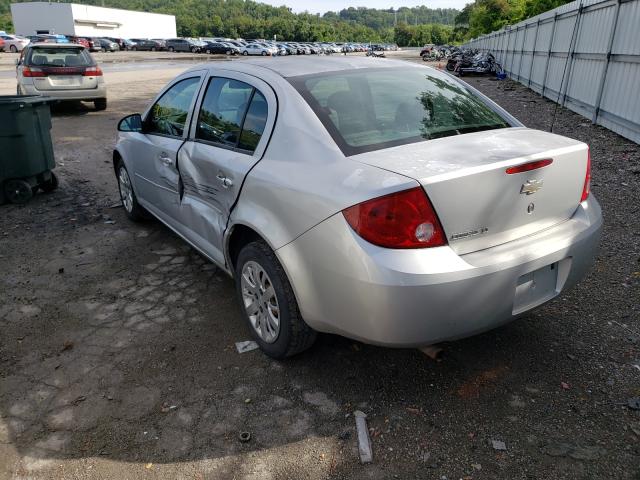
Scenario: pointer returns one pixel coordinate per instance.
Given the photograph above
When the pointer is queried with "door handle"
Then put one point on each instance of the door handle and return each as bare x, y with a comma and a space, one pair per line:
164, 158
226, 182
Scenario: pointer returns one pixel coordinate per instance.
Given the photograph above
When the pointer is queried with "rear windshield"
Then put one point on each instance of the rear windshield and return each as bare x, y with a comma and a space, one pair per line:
59, 57
372, 109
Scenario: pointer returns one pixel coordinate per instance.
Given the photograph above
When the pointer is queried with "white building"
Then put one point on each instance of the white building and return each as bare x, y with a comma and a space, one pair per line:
88, 21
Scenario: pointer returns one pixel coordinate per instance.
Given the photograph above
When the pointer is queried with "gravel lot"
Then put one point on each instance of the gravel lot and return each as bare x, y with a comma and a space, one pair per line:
117, 355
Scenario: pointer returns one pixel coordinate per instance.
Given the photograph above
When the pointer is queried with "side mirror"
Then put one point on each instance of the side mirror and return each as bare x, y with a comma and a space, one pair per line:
131, 123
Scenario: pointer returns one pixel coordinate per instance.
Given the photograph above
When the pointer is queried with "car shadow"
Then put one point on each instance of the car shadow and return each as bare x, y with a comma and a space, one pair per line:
71, 109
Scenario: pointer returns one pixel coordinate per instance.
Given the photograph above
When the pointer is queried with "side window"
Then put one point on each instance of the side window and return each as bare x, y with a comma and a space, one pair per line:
223, 110
254, 123
169, 115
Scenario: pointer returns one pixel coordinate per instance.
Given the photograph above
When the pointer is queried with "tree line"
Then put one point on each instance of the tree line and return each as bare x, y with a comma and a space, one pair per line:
485, 16
249, 19
405, 26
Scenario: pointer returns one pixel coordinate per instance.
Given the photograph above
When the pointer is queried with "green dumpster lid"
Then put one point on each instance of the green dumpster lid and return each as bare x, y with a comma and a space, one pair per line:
17, 99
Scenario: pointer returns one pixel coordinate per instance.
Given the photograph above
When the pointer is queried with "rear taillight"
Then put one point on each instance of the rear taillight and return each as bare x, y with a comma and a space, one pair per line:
31, 72
92, 72
587, 179
404, 219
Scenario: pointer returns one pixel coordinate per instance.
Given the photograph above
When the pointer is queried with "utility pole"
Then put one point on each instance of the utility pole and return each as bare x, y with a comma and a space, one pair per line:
395, 18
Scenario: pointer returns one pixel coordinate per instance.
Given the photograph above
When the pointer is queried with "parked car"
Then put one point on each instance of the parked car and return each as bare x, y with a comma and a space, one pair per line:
105, 44
123, 43
182, 45
2, 45
14, 43
220, 48
257, 49
371, 241
61, 71
142, 44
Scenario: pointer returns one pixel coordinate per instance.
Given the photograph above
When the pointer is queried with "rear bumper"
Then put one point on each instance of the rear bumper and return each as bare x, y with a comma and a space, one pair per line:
89, 94
408, 298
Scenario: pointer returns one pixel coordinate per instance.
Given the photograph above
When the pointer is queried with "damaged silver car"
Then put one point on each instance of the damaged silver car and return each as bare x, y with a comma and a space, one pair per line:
386, 202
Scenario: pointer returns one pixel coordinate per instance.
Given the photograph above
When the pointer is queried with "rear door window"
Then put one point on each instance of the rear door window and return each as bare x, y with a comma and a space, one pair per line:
233, 115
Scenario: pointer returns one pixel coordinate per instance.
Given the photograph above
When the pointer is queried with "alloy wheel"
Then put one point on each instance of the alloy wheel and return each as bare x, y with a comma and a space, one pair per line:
260, 301
126, 191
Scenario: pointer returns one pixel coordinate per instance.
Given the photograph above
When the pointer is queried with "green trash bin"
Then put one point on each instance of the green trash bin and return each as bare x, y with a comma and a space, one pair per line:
26, 150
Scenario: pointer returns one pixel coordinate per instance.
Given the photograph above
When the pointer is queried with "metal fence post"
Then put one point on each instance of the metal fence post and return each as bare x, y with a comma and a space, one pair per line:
533, 52
571, 53
524, 40
603, 77
515, 39
546, 67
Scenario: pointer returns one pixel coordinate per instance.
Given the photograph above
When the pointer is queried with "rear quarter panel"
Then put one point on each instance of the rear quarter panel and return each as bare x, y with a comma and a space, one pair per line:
303, 177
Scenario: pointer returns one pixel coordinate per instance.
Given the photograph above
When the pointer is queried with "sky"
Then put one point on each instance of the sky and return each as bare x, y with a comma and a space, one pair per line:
321, 6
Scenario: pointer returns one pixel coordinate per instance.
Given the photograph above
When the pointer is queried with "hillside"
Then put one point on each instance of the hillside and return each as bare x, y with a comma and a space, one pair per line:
248, 19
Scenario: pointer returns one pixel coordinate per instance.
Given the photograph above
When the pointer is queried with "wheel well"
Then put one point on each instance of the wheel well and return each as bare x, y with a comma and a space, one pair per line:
240, 236
116, 160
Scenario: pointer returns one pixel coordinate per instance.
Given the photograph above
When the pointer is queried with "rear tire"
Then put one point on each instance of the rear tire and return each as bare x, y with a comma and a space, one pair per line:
132, 208
294, 335
50, 185
245, 53
100, 104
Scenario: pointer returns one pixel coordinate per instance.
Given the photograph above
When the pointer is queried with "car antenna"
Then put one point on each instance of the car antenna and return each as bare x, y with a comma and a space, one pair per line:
564, 71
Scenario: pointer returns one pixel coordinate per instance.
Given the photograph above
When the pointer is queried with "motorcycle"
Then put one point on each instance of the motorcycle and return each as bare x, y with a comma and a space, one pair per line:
483, 63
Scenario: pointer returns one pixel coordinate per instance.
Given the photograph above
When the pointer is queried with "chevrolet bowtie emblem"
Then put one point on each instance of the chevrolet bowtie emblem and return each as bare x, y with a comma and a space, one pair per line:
531, 186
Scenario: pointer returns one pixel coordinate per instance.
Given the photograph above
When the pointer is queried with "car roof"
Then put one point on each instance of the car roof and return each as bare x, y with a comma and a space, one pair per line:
293, 67
55, 45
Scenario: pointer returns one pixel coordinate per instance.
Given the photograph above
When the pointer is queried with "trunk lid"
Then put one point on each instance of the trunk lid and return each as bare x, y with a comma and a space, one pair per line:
478, 203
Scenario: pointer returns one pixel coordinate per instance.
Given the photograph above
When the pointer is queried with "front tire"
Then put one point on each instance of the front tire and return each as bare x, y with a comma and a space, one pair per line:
268, 303
245, 53
50, 185
13, 49
128, 197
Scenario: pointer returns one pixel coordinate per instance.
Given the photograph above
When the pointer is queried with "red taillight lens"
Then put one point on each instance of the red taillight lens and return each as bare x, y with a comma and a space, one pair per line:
527, 167
31, 72
587, 179
92, 72
401, 220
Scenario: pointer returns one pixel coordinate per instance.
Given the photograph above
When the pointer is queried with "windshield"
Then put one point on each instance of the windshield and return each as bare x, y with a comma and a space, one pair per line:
59, 57
372, 109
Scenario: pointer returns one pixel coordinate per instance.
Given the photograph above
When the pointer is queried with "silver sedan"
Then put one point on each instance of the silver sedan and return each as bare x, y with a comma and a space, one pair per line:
383, 201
